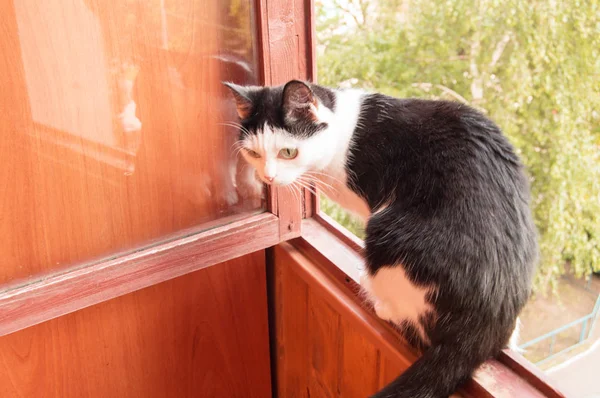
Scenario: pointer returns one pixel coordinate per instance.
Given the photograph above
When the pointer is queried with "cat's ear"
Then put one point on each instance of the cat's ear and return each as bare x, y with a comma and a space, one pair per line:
243, 102
299, 102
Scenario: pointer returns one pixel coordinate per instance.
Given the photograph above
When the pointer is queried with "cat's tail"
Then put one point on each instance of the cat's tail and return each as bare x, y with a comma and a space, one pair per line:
441, 369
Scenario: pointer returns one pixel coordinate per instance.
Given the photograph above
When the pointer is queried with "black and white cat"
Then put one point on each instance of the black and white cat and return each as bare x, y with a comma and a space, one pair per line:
450, 243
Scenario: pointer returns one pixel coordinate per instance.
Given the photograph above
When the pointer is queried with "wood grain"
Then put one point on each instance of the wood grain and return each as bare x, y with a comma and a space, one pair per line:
201, 335
517, 363
325, 348
358, 354
78, 179
290, 324
325, 342
30, 302
285, 34
389, 370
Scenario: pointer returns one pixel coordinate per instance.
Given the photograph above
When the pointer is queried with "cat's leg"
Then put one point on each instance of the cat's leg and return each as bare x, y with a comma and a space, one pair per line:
248, 185
228, 192
381, 308
396, 299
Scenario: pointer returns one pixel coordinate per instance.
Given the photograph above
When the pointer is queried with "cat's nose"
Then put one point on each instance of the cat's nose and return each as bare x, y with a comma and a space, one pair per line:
269, 178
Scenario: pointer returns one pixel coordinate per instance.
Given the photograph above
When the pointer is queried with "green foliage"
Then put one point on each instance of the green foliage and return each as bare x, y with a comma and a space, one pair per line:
532, 66
349, 221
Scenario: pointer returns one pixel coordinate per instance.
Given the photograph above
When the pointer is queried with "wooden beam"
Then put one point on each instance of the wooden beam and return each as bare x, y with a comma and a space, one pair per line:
286, 43
30, 302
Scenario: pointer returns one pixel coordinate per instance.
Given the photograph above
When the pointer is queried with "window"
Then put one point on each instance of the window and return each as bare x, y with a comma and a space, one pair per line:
116, 135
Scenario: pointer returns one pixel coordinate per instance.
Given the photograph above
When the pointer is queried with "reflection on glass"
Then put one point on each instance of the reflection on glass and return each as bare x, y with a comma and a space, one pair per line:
113, 132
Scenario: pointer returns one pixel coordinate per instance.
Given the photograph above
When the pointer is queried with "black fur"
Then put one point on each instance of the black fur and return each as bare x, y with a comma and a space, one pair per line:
456, 218
268, 107
459, 221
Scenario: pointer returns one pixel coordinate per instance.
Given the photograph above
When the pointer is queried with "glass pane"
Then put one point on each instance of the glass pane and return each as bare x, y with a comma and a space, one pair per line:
112, 125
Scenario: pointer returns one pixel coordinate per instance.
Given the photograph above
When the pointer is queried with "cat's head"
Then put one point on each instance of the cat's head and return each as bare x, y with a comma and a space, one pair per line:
283, 129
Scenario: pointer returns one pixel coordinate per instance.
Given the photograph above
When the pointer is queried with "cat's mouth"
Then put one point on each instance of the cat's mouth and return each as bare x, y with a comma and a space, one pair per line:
268, 181
275, 182
279, 181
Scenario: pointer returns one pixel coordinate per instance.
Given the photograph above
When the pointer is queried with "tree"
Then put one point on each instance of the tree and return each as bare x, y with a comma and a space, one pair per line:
533, 67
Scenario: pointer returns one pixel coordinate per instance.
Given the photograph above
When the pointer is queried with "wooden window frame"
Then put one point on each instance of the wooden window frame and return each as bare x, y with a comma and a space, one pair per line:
284, 33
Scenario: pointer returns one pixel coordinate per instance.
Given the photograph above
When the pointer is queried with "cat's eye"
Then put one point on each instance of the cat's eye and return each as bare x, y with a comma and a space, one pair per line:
288, 153
252, 153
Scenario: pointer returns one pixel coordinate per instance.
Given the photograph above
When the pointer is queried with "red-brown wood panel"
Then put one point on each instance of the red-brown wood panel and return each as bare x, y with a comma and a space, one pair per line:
201, 335
319, 351
360, 366
324, 347
291, 324
388, 371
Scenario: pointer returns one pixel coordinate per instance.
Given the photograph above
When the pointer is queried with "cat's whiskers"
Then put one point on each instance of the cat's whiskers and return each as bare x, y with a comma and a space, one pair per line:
299, 191
310, 184
237, 151
293, 188
318, 175
232, 124
296, 192
321, 173
235, 125
237, 147
289, 188
308, 181
306, 186
314, 186
236, 144
325, 187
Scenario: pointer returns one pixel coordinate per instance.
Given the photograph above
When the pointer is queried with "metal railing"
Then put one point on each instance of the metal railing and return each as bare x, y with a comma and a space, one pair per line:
584, 334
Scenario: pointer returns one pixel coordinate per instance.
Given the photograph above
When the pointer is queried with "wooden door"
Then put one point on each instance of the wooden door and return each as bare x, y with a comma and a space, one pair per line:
115, 174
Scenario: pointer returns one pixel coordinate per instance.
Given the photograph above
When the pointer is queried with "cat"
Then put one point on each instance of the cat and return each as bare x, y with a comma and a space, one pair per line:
450, 246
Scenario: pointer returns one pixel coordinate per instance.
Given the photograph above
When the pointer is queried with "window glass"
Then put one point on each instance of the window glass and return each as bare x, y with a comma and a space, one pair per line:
115, 127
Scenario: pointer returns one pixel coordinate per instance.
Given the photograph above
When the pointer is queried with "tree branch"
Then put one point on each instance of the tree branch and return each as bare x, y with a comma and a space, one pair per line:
348, 11
500, 46
363, 9
477, 82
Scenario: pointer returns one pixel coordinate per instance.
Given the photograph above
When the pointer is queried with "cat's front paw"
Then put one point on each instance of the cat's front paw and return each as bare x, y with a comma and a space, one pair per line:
250, 188
251, 191
229, 197
382, 311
